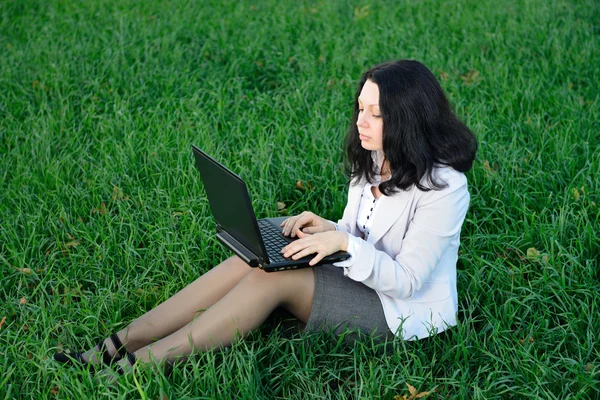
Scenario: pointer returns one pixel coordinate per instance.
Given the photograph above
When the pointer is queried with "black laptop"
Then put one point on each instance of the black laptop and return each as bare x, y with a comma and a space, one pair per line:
257, 242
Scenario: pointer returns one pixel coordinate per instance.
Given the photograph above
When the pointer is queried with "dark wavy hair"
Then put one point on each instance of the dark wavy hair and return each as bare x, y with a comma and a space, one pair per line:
420, 131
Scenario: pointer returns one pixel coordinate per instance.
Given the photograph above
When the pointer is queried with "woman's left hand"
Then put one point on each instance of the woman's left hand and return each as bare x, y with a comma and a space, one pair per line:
322, 243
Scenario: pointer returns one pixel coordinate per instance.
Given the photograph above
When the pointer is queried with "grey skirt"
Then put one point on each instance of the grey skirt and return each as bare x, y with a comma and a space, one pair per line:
343, 305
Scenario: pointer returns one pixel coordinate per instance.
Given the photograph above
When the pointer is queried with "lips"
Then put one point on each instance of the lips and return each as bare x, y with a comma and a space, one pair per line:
363, 137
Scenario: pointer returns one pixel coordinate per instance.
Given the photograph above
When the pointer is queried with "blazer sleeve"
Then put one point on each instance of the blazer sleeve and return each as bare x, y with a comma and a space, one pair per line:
345, 224
435, 225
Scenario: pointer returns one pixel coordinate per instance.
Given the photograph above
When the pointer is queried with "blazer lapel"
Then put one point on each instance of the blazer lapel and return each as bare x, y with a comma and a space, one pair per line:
388, 211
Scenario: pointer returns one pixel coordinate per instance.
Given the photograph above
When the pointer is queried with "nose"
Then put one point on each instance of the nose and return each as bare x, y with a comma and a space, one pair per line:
360, 121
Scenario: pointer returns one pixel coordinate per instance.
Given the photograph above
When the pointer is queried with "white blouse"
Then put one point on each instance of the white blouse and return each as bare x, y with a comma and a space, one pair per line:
366, 212
366, 209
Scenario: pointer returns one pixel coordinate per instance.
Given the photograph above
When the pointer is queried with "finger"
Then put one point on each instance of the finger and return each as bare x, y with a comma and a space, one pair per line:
317, 258
287, 248
284, 221
297, 246
300, 223
309, 230
307, 251
288, 224
304, 231
292, 248
282, 226
304, 219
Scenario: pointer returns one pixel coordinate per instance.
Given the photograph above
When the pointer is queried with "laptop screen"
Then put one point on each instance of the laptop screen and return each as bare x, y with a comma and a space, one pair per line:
229, 202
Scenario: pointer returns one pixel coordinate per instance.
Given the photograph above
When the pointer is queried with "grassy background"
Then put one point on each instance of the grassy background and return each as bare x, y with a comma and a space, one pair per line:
102, 214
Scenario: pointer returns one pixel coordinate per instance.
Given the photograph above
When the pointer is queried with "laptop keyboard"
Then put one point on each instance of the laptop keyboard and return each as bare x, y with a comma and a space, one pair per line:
273, 240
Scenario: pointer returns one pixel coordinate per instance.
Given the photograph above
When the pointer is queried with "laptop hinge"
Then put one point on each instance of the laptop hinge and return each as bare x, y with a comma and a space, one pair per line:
239, 249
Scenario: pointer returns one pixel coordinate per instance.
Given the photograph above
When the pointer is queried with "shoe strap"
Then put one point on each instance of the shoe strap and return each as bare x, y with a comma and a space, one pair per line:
75, 359
118, 345
106, 357
119, 370
132, 358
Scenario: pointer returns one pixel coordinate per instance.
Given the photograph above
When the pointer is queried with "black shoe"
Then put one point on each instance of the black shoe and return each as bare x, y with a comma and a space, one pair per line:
76, 359
109, 377
132, 360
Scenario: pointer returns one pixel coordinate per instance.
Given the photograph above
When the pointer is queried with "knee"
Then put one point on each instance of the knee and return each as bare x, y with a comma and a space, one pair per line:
258, 275
283, 284
237, 264
277, 283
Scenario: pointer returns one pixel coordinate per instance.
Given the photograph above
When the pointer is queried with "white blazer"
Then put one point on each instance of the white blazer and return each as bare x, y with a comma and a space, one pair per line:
410, 255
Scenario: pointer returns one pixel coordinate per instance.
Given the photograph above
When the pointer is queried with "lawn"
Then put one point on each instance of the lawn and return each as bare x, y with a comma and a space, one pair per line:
103, 215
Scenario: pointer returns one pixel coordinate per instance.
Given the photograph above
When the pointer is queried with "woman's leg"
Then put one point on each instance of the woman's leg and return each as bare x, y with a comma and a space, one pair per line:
179, 309
240, 311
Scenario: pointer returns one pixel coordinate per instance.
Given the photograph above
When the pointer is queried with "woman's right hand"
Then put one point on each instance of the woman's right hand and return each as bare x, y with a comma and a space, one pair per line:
309, 223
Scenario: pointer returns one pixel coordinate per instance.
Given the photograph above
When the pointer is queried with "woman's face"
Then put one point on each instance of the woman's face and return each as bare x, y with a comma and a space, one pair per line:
369, 122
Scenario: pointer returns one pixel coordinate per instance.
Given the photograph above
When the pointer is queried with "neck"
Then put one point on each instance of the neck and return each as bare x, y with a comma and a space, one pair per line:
385, 169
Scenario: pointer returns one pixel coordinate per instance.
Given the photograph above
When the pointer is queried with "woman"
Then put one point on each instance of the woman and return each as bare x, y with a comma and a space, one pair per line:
408, 198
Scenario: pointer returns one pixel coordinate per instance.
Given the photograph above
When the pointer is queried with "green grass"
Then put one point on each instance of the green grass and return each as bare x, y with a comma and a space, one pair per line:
102, 214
